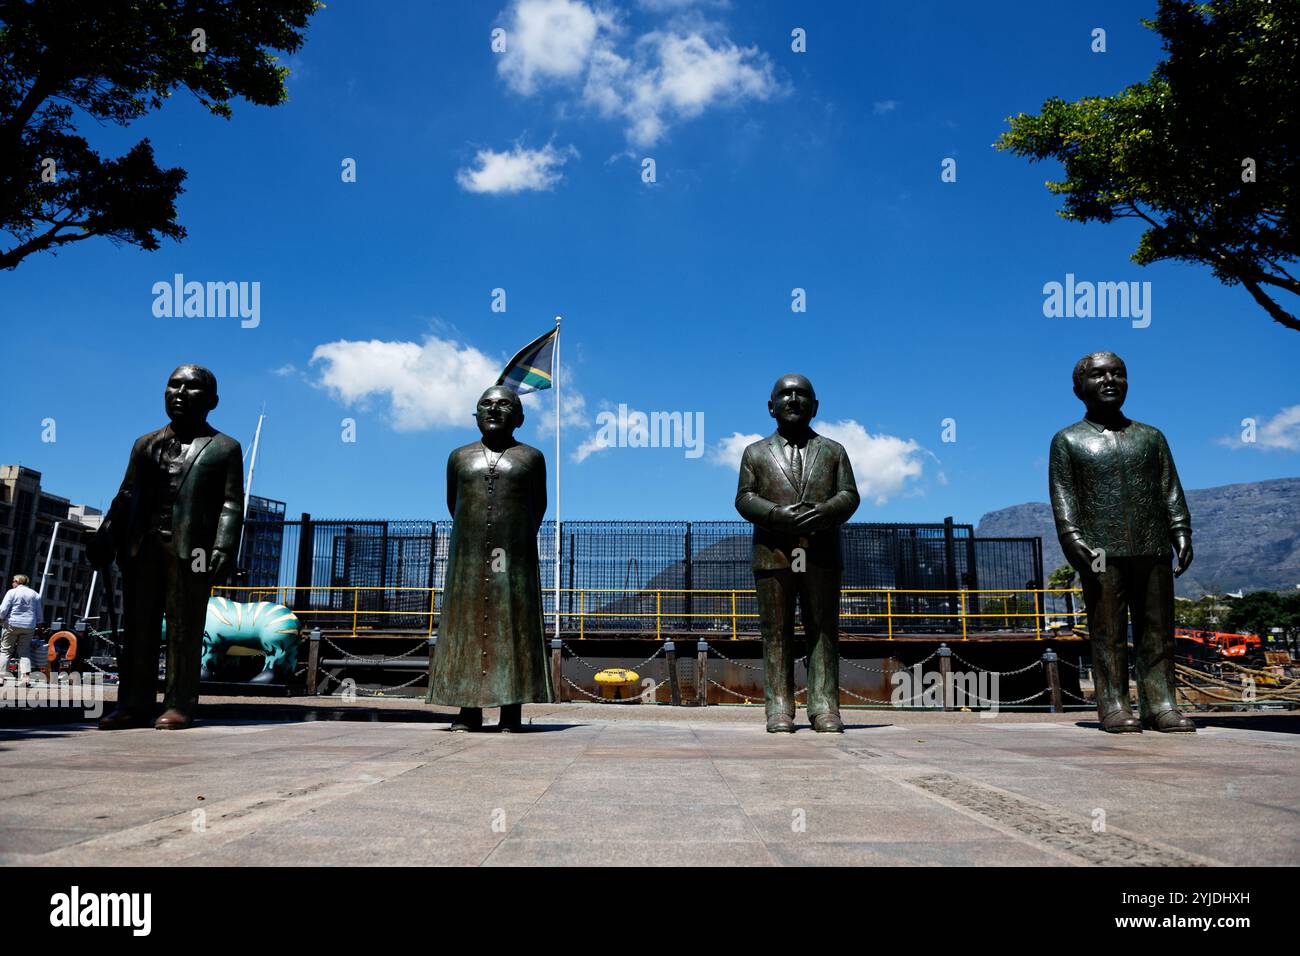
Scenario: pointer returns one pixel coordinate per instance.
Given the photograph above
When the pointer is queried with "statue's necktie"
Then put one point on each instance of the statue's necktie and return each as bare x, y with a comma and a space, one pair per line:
796, 466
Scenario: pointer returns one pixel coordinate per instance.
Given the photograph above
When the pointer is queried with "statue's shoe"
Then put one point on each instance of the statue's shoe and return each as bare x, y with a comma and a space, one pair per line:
468, 719
1170, 722
1121, 722
780, 724
828, 724
121, 719
173, 719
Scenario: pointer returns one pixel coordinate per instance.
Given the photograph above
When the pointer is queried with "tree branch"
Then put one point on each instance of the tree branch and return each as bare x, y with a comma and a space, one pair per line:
1280, 315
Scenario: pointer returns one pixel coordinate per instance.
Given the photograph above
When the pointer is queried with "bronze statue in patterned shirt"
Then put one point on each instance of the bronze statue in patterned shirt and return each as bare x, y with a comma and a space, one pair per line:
1120, 514
174, 530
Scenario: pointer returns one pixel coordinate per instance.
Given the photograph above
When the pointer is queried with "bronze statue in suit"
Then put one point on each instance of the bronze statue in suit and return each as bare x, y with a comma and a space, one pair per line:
174, 529
797, 488
1121, 515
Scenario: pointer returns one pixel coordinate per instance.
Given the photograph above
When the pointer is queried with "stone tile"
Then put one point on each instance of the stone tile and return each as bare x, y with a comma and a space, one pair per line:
516, 851
597, 821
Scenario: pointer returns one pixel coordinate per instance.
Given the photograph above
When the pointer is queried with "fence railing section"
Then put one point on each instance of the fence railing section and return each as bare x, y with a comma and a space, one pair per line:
717, 612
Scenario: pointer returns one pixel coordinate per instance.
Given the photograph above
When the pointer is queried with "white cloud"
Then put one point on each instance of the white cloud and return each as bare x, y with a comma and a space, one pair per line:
1279, 433
433, 384
882, 464
515, 170
671, 6
549, 40
592, 444
728, 451
662, 77
572, 402
672, 76
881, 107
430, 384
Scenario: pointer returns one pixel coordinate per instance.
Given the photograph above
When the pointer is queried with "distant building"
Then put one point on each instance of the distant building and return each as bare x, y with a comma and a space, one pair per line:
27, 519
263, 542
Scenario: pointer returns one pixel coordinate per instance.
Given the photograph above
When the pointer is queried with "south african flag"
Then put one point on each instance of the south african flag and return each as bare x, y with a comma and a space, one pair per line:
530, 370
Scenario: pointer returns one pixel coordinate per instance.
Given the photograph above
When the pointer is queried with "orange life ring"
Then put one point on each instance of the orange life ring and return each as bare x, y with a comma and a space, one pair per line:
52, 653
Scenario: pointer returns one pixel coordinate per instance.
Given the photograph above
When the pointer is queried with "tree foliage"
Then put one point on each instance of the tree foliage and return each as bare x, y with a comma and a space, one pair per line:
1173, 151
1261, 611
114, 61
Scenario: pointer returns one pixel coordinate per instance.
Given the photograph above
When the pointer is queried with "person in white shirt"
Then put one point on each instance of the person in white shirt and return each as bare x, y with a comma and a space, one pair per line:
20, 614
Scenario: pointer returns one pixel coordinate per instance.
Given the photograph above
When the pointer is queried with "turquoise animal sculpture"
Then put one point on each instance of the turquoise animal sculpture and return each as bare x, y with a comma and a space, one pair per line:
262, 626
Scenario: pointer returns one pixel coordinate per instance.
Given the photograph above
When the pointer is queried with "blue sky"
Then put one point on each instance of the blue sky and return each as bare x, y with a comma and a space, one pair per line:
522, 170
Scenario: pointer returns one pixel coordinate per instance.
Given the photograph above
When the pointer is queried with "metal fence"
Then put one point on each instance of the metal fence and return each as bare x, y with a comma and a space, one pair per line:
673, 576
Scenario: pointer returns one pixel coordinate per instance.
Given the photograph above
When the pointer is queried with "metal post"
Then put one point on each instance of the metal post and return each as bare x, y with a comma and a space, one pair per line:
964, 636
557, 669
433, 609
659, 611
688, 580
702, 674
889, 613
945, 674
54, 536
303, 574
1038, 622
313, 661
432, 641
674, 686
733, 614
1053, 680
582, 609
949, 558
356, 596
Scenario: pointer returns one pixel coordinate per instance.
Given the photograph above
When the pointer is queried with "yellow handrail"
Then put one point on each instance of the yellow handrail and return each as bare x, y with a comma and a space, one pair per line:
925, 599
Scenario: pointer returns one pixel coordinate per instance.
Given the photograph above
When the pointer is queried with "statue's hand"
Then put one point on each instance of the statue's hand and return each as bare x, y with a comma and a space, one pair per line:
1079, 555
785, 516
218, 565
812, 520
1183, 546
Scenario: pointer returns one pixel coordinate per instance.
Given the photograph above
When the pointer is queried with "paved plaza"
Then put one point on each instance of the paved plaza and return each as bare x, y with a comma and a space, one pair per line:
385, 783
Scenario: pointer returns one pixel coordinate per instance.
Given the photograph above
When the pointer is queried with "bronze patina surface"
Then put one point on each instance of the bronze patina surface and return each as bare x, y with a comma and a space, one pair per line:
1121, 515
797, 488
491, 648
174, 529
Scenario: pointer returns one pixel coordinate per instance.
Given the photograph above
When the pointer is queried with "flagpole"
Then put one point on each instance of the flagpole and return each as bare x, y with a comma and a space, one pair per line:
557, 481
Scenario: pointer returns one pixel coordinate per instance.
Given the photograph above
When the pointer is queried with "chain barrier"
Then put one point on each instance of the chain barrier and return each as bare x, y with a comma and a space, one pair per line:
748, 698
380, 692
380, 659
592, 667
749, 667
1082, 700
636, 699
1029, 666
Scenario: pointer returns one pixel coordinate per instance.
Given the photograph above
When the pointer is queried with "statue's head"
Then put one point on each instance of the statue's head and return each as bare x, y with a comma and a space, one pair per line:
1101, 381
191, 394
793, 401
499, 411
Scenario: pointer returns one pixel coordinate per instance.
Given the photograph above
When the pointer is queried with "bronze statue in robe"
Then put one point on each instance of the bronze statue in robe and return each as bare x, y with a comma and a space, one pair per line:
1120, 516
491, 648
174, 530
